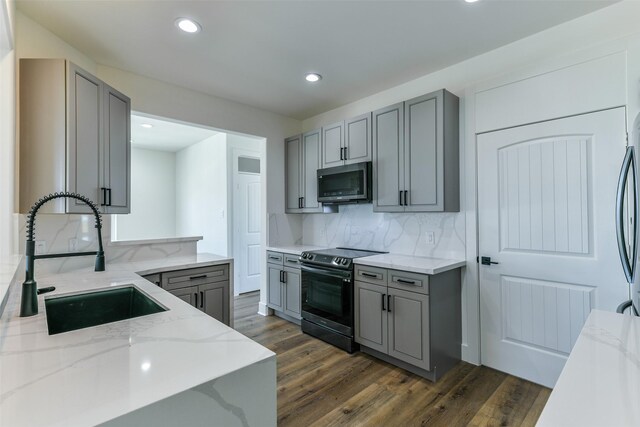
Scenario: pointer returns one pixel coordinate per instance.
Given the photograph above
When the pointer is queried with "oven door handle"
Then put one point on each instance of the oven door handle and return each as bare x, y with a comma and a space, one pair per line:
326, 272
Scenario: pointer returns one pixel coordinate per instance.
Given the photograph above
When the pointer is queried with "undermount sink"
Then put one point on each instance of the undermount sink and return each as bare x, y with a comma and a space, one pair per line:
78, 311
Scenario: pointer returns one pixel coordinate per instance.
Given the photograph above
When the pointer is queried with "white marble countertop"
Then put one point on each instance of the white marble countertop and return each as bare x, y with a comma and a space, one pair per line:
294, 249
600, 383
155, 241
415, 264
89, 376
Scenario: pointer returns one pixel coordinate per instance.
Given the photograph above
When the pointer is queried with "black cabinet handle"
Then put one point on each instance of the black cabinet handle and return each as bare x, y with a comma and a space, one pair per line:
292, 260
383, 298
109, 191
284, 277
365, 274
195, 294
104, 196
345, 153
408, 282
389, 303
201, 299
400, 197
281, 276
406, 198
274, 257
302, 202
202, 276
341, 157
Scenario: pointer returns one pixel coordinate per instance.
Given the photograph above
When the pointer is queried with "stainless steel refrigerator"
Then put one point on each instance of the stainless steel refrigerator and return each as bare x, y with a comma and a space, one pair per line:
626, 214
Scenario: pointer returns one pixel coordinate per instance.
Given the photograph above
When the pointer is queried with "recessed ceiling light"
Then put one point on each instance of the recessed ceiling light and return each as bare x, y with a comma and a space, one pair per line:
471, 1
147, 125
313, 77
188, 25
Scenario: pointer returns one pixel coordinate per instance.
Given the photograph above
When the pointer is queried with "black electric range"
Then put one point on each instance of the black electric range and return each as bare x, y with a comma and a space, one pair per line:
327, 295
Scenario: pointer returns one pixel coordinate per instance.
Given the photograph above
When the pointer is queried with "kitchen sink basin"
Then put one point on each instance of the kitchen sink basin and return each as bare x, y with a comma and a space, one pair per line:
78, 311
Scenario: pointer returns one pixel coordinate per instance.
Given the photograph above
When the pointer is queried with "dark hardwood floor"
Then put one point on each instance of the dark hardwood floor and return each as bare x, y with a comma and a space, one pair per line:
320, 385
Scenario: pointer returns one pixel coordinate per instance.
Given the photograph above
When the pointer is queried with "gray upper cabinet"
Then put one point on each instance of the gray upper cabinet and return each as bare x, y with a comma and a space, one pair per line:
347, 142
332, 145
388, 159
417, 141
75, 134
302, 161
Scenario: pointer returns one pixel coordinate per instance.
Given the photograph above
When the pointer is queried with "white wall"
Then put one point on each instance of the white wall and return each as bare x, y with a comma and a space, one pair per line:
201, 193
153, 197
7, 129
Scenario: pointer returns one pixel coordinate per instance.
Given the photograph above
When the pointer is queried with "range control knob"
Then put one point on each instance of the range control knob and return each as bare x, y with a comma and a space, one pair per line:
345, 261
309, 256
336, 260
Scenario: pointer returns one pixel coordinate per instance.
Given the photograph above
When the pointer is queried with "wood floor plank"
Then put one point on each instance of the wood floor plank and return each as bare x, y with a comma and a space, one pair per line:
321, 385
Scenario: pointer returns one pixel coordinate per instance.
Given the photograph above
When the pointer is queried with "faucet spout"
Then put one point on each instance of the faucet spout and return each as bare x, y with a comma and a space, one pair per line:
29, 301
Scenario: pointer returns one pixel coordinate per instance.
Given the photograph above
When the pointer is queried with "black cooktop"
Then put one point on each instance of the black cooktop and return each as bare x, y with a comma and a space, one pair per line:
335, 258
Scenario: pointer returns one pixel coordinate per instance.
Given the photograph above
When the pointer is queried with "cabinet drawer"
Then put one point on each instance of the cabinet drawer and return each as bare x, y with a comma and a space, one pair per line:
409, 281
374, 275
291, 261
194, 276
275, 258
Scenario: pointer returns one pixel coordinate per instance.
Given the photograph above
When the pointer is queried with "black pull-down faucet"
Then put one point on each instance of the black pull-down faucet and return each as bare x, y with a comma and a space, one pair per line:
29, 303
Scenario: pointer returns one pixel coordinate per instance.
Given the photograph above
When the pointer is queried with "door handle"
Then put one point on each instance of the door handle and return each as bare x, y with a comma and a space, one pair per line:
195, 294
201, 299
104, 196
281, 276
406, 198
384, 297
109, 192
284, 277
627, 265
341, 156
486, 260
345, 153
400, 198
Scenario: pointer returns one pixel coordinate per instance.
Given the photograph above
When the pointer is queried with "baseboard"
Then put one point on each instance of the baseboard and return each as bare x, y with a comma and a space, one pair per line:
264, 310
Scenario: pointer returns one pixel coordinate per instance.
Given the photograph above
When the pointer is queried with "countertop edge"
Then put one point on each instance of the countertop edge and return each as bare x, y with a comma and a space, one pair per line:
410, 268
158, 241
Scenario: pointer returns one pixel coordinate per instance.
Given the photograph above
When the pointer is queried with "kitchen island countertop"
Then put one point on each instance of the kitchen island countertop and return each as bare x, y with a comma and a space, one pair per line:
93, 375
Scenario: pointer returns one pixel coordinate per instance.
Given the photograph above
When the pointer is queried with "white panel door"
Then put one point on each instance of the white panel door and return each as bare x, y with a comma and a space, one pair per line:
546, 199
246, 220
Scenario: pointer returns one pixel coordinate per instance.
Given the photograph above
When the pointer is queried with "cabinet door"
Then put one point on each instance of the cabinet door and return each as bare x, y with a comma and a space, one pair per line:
188, 294
293, 172
311, 163
409, 327
332, 144
357, 134
388, 158
117, 151
84, 116
274, 288
370, 318
214, 300
292, 292
423, 153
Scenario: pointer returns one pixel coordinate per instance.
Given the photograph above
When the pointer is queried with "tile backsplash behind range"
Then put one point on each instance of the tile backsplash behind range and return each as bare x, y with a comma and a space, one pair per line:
402, 233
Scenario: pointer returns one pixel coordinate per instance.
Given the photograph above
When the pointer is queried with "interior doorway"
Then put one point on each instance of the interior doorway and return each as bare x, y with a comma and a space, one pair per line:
247, 227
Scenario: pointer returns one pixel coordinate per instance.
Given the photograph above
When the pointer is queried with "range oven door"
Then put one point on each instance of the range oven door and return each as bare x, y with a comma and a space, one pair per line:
327, 298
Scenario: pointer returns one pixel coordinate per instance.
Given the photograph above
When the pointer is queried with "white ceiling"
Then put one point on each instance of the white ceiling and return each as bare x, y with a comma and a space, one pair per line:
165, 135
257, 52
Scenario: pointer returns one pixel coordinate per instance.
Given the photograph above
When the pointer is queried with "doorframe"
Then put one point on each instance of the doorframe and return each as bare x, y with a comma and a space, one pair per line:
471, 346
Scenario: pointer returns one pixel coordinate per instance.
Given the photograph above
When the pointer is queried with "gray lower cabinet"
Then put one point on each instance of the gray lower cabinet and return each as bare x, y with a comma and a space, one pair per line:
75, 131
347, 142
205, 288
284, 284
302, 161
416, 155
409, 319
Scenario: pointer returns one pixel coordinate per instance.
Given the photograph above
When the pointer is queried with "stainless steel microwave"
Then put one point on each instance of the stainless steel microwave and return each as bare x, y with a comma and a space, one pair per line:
345, 184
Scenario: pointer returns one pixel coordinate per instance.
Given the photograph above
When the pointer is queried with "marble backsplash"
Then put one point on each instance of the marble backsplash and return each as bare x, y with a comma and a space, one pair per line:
58, 231
284, 229
358, 226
